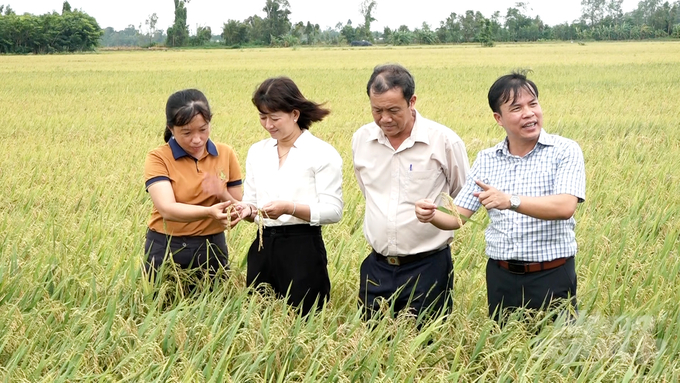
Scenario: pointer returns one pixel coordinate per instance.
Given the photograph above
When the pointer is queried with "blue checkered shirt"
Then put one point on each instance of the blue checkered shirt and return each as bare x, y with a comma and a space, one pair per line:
554, 166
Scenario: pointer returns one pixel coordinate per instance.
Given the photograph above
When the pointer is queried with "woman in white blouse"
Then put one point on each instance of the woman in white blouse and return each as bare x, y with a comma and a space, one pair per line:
295, 181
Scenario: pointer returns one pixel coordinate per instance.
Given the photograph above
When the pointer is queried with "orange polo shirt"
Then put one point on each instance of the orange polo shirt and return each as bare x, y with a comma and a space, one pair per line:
170, 162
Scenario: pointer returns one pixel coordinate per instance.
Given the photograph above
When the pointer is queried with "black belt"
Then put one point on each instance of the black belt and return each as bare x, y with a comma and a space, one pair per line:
530, 267
291, 230
400, 260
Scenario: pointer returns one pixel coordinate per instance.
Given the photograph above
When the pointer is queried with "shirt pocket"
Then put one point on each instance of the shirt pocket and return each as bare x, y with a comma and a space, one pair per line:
423, 184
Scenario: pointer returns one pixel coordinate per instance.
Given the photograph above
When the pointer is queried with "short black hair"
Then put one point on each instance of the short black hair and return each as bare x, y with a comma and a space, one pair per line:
509, 86
182, 107
389, 76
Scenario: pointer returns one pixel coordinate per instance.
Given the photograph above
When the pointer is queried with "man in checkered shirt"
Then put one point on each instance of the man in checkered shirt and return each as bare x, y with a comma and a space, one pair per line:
530, 185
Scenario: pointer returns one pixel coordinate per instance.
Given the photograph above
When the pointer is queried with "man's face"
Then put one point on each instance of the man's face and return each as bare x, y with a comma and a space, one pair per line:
392, 113
522, 117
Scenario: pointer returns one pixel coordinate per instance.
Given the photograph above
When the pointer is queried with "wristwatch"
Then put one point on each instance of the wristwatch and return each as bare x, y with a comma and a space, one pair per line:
514, 202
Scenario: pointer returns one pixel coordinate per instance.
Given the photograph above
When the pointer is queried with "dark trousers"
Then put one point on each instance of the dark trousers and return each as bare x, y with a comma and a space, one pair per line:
507, 291
204, 253
425, 285
293, 262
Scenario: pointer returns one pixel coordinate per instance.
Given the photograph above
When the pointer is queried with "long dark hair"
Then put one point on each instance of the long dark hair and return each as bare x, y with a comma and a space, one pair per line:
182, 107
280, 94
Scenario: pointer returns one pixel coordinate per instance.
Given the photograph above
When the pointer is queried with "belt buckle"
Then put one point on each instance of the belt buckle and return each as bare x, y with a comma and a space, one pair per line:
394, 261
516, 268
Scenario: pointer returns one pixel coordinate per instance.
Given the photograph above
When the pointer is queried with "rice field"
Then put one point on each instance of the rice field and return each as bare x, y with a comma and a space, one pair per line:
74, 305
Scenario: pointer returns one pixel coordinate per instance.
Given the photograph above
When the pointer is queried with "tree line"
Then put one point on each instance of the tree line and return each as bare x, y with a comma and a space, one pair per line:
74, 30
600, 20
70, 31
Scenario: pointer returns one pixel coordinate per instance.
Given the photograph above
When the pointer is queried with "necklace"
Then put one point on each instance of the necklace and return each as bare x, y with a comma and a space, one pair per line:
284, 154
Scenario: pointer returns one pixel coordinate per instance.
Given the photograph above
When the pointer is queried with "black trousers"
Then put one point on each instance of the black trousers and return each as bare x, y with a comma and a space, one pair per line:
425, 285
293, 262
507, 291
205, 253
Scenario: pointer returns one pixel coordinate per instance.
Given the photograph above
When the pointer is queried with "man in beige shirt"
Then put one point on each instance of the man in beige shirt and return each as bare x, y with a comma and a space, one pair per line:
400, 158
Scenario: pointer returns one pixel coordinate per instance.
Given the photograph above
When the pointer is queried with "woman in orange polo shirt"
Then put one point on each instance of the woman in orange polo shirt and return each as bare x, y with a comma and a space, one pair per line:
192, 181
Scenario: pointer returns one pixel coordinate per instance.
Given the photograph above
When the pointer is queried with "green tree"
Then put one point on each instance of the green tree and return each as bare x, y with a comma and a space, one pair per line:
7, 9
470, 25
449, 30
642, 15
367, 9
486, 35
202, 37
518, 24
151, 27
348, 32
663, 18
276, 22
257, 31
310, 34
402, 36
69, 32
614, 12
387, 33
234, 33
65, 8
298, 30
593, 11
178, 33
425, 35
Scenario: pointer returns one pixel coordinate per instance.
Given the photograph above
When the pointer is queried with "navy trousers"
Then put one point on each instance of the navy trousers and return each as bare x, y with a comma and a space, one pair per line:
422, 286
207, 254
507, 291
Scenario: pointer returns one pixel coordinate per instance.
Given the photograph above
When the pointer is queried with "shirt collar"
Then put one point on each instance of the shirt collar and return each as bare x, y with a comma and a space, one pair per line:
178, 152
302, 140
544, 139
417, 134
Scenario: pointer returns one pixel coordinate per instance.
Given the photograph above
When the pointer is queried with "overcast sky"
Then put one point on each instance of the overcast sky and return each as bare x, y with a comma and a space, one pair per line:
214, 13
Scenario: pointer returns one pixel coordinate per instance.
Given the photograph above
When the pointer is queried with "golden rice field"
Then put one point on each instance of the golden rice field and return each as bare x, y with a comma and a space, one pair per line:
75, 307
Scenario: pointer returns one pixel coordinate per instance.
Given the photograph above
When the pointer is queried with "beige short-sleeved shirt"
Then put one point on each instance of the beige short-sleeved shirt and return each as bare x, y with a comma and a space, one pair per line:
431, 161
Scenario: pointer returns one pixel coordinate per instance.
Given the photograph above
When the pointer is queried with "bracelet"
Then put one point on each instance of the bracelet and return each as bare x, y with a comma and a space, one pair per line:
251, 210
294, 207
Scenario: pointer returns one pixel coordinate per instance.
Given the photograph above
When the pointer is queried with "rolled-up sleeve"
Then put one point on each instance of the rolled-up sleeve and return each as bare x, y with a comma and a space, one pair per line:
328, 180
249, 187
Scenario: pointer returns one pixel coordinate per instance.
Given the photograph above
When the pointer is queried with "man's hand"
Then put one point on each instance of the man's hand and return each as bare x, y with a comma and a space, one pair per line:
425, 209
491, 197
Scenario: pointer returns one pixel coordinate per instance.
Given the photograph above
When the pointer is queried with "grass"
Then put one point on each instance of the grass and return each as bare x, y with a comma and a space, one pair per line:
74, 305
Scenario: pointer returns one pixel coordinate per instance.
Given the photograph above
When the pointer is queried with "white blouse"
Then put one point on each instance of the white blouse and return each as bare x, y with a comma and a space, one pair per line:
311, 175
